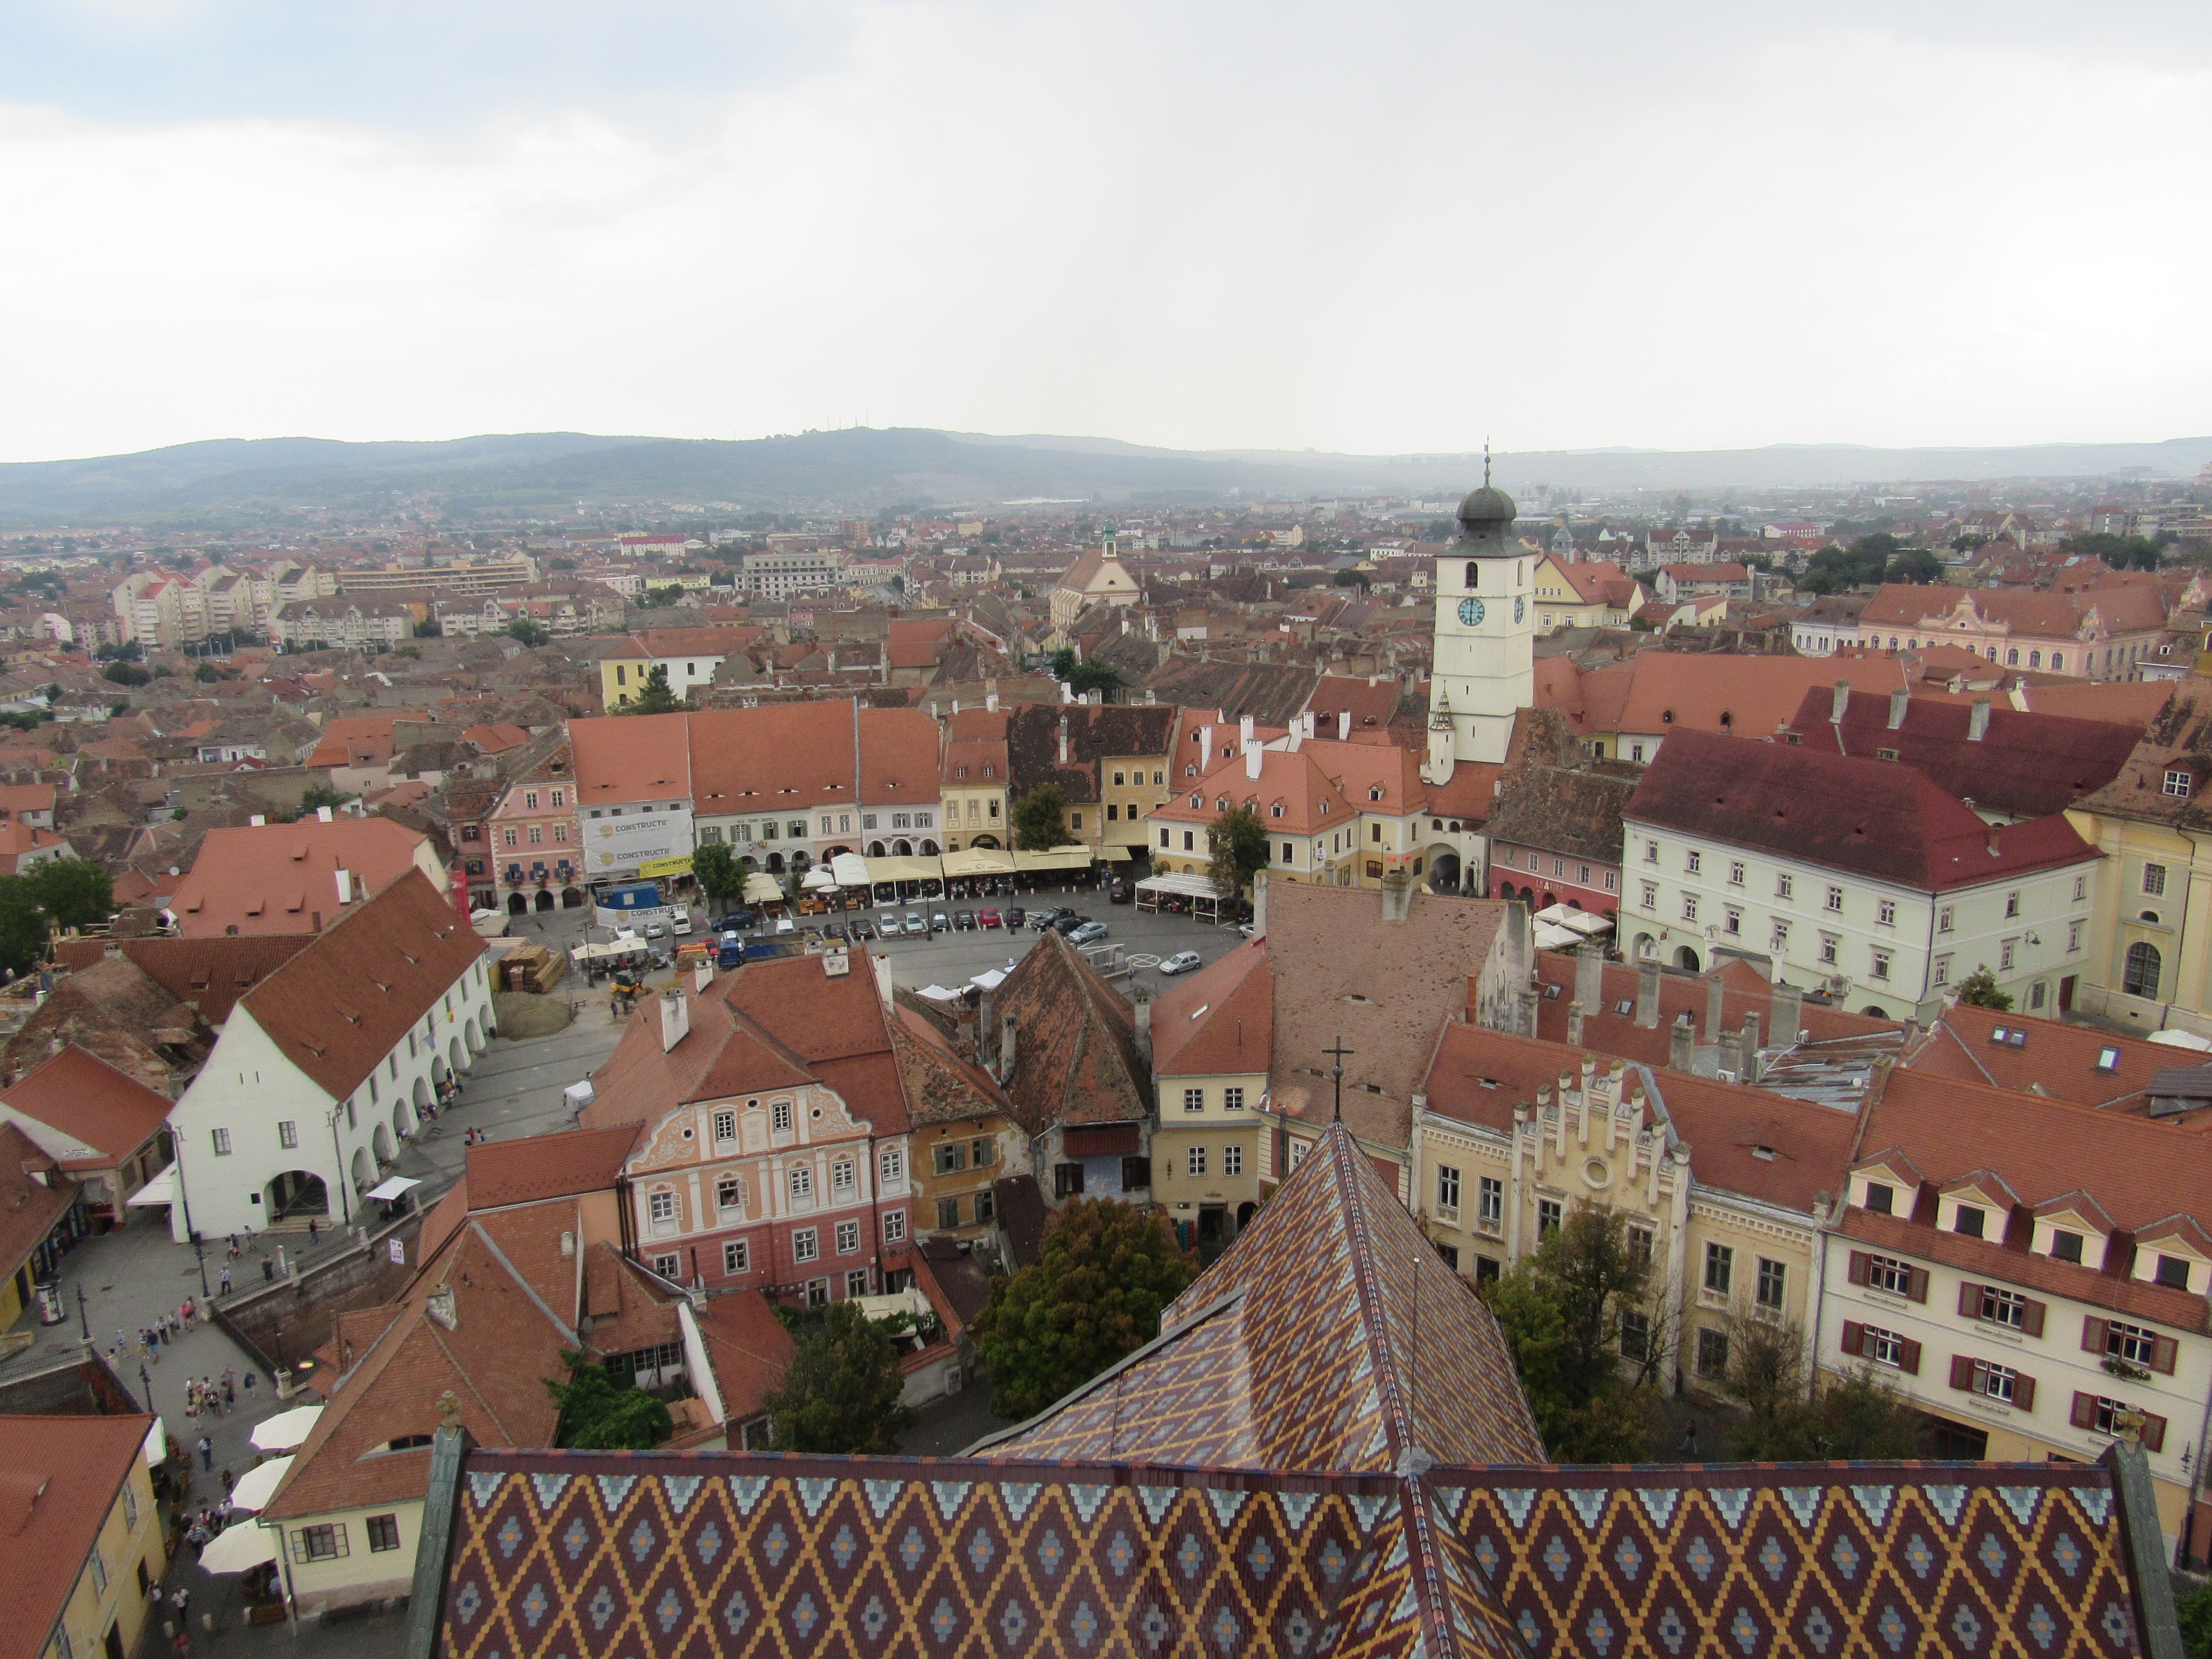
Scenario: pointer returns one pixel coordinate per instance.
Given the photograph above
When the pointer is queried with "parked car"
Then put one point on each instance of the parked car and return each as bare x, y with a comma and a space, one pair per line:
1085, 932
679, 919
1015, 917
1044, 920
786, 925
939, 922
836, 930
964, 920
863, 928
1119, 893
915, 924
1181, 962
988, 918
654, 930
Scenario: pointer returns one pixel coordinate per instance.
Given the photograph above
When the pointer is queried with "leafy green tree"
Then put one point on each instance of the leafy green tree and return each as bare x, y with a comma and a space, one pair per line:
598, 1415
667, 593
1855, 1416
2194, 1611
73, 892
523, 630
319, 795
1560, 1307
655, 698
1359, 578
1915, 565
841, 1391
126, 673
2121, 552
1979, 990
1109, 1270
22, 926
1239, 842
1040, 819
1083, 678
715, 869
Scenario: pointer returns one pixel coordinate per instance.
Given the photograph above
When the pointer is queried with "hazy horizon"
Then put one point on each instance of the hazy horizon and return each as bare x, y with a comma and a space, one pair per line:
1393, 231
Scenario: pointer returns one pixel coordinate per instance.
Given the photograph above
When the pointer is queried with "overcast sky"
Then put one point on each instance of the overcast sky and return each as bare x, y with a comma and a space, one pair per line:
1387, 226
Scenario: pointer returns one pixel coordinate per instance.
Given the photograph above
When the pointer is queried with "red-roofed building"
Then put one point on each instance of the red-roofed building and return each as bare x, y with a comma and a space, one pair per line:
295, 878
103, 1128
1863, 876
84, 1536
2097, 634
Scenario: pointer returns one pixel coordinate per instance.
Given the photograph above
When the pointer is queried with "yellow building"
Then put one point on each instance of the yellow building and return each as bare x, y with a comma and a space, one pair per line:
84, 1545
1212, 1034
1582, 594
1098, 576
689, 656
965, 1139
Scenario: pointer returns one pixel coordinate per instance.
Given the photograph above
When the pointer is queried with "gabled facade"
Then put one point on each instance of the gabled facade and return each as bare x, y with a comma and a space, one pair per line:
1212, 1040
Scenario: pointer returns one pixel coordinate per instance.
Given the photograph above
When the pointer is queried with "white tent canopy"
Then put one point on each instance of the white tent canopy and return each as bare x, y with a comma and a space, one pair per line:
391, 1188
850, 869
905, 869
259, 1484
979, 861
162, 1189
938, 994
990, 978
1578, 921
762, 889
820, 877
1549, 938
579, 1094
286, 1430
237, 1549
156, 1449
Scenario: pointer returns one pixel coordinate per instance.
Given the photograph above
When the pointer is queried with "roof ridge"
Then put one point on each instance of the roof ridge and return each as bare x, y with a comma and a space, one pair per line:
1396, 1420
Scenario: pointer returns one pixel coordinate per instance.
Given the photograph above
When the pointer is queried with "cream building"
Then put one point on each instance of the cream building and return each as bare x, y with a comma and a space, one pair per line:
84, 1533
1212, 1033
1099, 576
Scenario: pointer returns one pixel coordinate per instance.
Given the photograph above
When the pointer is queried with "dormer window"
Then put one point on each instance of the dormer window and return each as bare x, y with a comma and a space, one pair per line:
1879, 1197
2173, 1271
1967, 1220
1375, 792
2108, 1060
2065, 1246
1276, 811
2179, 782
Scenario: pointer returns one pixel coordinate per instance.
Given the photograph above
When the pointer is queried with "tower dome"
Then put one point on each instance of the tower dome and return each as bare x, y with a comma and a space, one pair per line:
1486, 506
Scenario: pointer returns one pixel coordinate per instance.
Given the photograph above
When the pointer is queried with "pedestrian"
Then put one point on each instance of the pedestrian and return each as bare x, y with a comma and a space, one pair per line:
315, 1232
251, 1243
249, 1390
1690, 1442
229, 1386
207, 1462
182, 1647
228, 1482
268, 1271
192, 1398
198, 1536
225, 1280
233, 1247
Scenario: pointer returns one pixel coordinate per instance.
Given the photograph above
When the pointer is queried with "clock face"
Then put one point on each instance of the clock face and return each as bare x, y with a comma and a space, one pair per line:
1470, 613
1520, 609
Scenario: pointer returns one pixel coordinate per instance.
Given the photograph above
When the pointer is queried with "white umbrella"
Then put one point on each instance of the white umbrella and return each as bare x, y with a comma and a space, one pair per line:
820, 877
236, 1548
286, 1430
255, 1486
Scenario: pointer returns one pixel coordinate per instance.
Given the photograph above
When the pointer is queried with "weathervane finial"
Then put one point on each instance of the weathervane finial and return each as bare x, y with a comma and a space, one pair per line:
1485, 463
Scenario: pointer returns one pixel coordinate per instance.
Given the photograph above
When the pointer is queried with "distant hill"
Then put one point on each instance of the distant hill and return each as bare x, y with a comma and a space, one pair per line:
535, 474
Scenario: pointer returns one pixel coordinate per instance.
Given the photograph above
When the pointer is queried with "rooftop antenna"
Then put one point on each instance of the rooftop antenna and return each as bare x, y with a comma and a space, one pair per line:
1336, 1073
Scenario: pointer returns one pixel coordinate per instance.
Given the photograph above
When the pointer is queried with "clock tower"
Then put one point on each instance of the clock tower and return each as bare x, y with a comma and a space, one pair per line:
1483, 671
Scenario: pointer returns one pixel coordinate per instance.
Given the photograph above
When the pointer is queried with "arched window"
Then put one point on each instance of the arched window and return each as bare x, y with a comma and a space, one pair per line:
2012, 657
2058, 659
2141, 977
2035, 659
1472, 567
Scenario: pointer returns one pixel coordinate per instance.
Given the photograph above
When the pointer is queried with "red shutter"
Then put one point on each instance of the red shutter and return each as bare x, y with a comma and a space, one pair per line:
2023, 1393
1909, 1359
2031, 1319
2084, 1415
2093, 1333
1962, 1372
1970, 1301
2163, 1351
1854, 1338
1858, 1273
1916, 1285
2153, 1432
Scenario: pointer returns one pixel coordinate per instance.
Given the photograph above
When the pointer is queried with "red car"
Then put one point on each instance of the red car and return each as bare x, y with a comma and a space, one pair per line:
988, 917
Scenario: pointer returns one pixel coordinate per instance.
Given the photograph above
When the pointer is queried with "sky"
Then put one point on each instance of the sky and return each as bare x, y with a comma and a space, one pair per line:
1384, 228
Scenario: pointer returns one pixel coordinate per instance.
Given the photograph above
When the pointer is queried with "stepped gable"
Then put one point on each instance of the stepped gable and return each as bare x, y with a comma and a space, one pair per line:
1329, 1337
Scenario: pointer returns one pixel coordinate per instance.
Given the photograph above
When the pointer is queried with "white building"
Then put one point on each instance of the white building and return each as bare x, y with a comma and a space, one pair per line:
1486, 650
1860, 877
778, 574
325, 1065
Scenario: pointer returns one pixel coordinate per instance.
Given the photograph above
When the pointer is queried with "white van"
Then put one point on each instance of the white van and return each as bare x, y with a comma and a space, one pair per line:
679, 919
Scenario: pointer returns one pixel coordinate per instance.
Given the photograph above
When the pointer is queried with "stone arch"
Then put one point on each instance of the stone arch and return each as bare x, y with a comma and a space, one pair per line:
454, 1057
572, 898
422, 1097
517, 905
1643, 948
440, 1072
1875, 1010
1686, 958
474, 1036
902, 848
1444, 870
544, 901
875, 849
294, 1195
929, 848
403, 1121
2145, 968
362, 1171
776, 863
380, 1140
983, 840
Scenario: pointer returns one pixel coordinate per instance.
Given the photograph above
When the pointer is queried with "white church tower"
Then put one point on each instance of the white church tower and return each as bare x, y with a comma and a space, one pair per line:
1484, 668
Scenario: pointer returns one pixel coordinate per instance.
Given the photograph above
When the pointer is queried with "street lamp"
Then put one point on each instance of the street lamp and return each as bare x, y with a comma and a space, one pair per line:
84, 1323
184, 1193
147, 1383
345, 1209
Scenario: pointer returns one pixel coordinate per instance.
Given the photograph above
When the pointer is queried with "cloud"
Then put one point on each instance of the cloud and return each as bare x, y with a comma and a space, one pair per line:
1207, 227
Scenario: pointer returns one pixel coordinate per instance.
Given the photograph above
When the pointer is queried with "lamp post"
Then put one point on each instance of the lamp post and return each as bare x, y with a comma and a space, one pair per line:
84, 1323
185, 1196
147, 1383
338, 1149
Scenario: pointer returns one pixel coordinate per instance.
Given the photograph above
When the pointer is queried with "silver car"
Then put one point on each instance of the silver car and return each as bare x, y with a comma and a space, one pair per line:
1181, 962
915, 924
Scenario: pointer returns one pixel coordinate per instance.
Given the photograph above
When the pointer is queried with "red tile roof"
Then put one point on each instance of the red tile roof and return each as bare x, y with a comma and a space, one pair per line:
2054, 1059
361, 739
1219, 1020
98, 1114
212, 974
537, 1167
59, 1478
280, 877
29, 1207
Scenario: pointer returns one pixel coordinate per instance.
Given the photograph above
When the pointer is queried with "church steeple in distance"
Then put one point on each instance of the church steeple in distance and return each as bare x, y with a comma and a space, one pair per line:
1484, 667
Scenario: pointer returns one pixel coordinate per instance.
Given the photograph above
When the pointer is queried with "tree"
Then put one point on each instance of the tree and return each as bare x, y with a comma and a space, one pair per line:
429, 628
2194, 1613
1858, 1416
1915, 565
524, 631
126, 673
1098, 677
597, 1415
1979, 990
1560, 1309
841, 1391
715, 869
1109, 1270
655, 698
1040, 819
2121, 552
667, 593
1359, 578
1239, 840
319, 795
22, 926
73, 892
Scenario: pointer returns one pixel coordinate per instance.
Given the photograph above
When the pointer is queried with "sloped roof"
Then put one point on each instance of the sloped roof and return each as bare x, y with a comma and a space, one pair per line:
87, 1102
278, 877
1075, 1046
1563, 810
28, 1208
59, 1478
536, 1167
1219, 1020
2053, 1058
212, 974
1866, 817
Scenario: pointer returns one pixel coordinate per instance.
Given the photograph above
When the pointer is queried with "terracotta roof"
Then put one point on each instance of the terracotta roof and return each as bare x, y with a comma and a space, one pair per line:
339, 1006
898, 757
98, 1115
59, 1478
914, 644
2022, 611
941, 1087
543, 1166
2026, 764
1219, 1020
279, 877
1370, 702
660, 644
1862, 816
2177, 738
1292, 795
1665, 692
29, 1207
361, 739
212, 974
1565, 811
1744, 992
496, 739
625, 759
1076, 1060
2052, 1058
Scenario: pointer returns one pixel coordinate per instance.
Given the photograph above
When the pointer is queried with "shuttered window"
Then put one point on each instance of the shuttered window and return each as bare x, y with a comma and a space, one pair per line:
1999, 1306
1886, 1273
1993, 1381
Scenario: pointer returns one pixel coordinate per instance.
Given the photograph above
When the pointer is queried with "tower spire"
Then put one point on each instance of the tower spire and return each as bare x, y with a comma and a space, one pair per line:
1485, 463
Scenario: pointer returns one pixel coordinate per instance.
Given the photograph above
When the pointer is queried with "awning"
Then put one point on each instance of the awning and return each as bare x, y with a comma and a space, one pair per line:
979, 861
385, 1191
850, 869
156, 1449
1549, 938
1059, 857
1115, 854
1103, 1141
239, 1549
990, 978
906, 869
162, 1189
259, 1484
938, 993
820, 877
1581, 921
1180, 886
287, 1430
762, 888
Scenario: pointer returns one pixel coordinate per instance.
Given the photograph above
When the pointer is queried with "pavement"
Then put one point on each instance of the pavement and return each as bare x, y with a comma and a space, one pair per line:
952, 959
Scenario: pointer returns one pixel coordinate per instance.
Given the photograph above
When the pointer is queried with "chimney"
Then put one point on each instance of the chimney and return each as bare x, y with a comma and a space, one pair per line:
1063, 737
702, 976
1716, 997
1682, 1045
345, 888
1788, 1009
1067, 692
1244, 728
1525, 1004
1144, 1010
1204, 750
1259, 904
1898, 700
1575, 1025
1842, 702
323, 814
1590, 977
1977, 722
1253, 756
1397, 896
1731, 1060
991, 701
1647, 995
1751, 1047
1006, 1049
675, 1017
